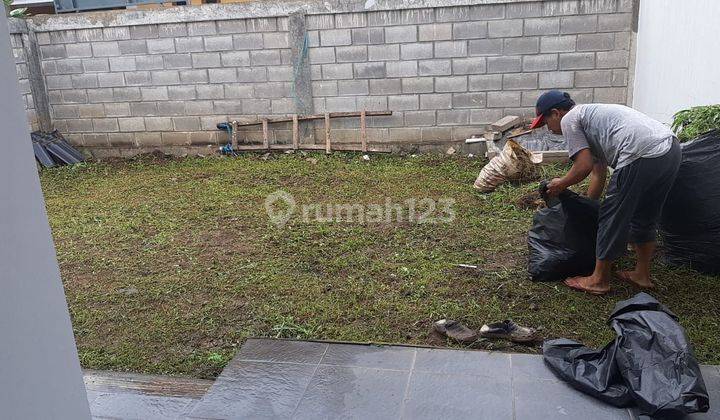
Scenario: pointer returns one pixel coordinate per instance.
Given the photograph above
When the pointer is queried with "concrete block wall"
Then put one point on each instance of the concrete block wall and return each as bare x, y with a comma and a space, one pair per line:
124, 84
446, 72
164, 85
21, 66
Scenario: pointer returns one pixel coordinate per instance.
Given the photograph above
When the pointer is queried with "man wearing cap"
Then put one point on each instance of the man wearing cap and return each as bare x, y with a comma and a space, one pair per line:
645, 156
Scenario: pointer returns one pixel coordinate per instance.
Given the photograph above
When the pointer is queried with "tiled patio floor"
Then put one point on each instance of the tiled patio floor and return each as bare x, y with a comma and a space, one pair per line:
115, 395
310, 380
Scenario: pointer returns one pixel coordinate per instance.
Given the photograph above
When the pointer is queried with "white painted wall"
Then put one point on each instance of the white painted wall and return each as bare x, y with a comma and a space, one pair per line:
40, 376
678, 56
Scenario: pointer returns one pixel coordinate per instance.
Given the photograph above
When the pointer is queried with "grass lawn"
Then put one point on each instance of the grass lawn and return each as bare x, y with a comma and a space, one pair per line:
169, 265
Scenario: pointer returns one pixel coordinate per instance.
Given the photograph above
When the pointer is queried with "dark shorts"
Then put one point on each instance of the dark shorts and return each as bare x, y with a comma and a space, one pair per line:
634, 201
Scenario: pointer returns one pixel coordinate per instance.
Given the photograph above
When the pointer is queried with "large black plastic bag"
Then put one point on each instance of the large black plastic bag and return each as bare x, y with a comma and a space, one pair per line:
690, 225
562, 238
649, 364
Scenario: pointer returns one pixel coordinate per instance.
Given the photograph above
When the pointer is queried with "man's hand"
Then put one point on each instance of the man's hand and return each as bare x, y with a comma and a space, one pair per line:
555, 187
582, 165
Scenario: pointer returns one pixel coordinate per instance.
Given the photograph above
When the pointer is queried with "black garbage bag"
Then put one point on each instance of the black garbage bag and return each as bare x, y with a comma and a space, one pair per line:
649, 364
690, 224
562, 238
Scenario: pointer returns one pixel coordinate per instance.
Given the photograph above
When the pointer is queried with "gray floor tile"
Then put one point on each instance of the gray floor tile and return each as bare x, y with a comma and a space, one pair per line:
441, 396
92, 396
711, 375
190, 407
380, 357
712, 382
281, 351
138, 406
463, 362
530, 366
557, 400
337, 392
255, 390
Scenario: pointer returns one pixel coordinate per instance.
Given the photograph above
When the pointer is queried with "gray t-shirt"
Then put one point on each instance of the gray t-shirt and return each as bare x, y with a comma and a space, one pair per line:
615, 134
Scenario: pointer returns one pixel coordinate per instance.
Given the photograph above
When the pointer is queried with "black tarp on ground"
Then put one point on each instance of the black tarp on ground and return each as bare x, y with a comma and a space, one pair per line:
562, 238
690, 225
51, 149
649, 364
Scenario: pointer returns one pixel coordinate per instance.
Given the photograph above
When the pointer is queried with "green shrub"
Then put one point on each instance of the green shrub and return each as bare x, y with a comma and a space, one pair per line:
16, 13
690, 123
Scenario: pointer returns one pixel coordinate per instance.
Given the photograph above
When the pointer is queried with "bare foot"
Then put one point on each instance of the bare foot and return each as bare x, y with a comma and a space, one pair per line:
593, 285
637, 279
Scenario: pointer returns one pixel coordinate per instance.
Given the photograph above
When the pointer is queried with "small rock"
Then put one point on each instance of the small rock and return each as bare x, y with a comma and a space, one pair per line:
289, 152
450, 151
128, 291
266, 156
533, 307
413, 156
470, 155
312, 161
366, 157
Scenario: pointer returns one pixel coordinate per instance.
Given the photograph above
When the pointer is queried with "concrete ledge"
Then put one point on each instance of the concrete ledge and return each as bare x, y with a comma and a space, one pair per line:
255, 9
17, 26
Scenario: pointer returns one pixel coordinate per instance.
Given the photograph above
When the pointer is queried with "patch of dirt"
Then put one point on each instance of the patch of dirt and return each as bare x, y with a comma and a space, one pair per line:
157, 156
531, 201
202, 175
221, 244
230, 240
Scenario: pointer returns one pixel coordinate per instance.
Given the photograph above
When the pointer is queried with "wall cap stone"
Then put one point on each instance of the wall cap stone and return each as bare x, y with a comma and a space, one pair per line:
229, 11
17, 26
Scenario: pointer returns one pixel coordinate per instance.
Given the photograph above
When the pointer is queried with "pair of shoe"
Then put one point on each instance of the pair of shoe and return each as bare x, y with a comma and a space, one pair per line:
507, 330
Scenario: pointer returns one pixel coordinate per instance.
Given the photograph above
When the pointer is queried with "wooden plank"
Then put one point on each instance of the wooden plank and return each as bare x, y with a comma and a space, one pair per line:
327, 133
363, 131
234, 137
313, 147
322, 116
339, 147
296, 133
282, 147
357, 148
250, 147
520, 134
266, 140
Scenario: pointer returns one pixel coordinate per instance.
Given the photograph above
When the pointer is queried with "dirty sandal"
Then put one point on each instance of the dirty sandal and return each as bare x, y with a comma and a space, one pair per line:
455, 331
573, 284
508, 330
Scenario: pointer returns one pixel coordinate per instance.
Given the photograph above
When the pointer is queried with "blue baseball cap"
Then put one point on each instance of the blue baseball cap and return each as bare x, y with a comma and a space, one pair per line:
545, 103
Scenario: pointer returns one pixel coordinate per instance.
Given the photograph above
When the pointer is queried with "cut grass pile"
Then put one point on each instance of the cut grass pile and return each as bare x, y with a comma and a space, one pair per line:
169, 265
